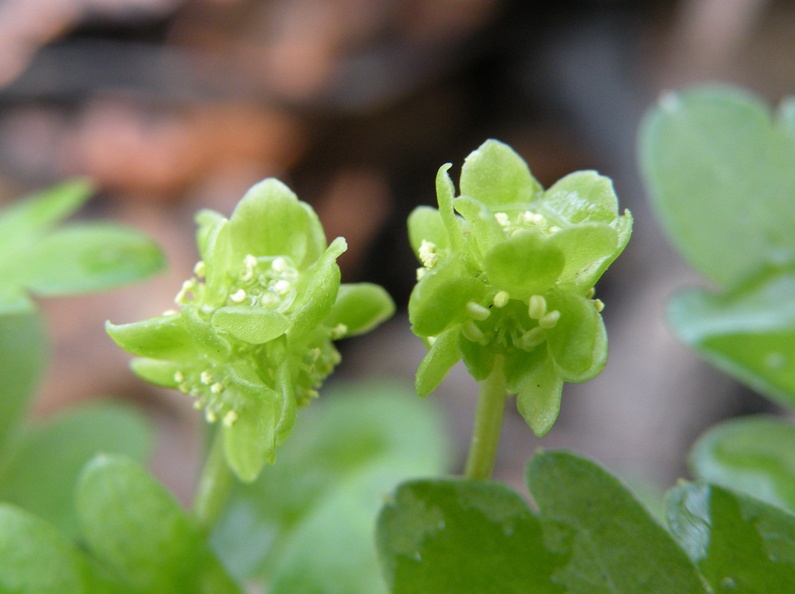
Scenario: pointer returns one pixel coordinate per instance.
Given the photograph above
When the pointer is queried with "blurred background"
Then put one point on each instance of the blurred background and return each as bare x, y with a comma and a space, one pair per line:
174, 105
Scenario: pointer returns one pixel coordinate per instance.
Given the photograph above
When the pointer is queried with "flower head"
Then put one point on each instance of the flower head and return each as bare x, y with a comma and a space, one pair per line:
508, 270
252, 338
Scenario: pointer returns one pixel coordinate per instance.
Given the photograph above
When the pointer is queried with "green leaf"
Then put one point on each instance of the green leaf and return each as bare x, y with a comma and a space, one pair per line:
255, 325
134, 526
42, 472
755, 455
162, 337
425, 223
437, 363
360, 307
749, 332
609, 540
26, 219
524, 265
23, 354
538, 398
87, 257
306, 525
720, 172
484, 227
35, 557
739, 544
497, 176
463, 536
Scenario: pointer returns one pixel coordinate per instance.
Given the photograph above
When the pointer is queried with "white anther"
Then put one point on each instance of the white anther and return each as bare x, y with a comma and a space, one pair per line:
186, 292
471, 331
533, 217
198, 404
170, 312
206, 378
238, 296
591, 292
217, 388
554, 229
210, 415
533, 337
230, 418
179, 377
537, 307
549, 320
250, 261
431, 340
421, 272
598, 305
338, 331
427, 254
280, 264
501, 299
477, 311
200, 269
282, 287
502, 219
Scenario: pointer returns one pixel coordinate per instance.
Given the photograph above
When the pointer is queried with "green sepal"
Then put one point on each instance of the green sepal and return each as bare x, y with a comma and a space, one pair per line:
255, 325
479, 360
425, 223
445, 191
250, 443
482, 224
160, 373
161, 337
318, 288
524, 265
520, 365
360, 307
578, 343
497, 176
440, 358
584, 248
583, 197
538, 398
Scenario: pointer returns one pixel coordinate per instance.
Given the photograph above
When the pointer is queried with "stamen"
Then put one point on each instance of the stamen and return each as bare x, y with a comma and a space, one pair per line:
502, 219
217, 388
279, 264
598, 305
206, 378
471, 331
501, 299
179, 377
339, 331
549, 320
200, 269
230, 418
427, 254
537, 307
477, 311
210, 415
281, 287
238, 296
421, 273
533, 337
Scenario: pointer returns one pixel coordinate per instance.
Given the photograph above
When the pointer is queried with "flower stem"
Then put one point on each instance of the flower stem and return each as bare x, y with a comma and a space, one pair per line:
488, 424
214, 485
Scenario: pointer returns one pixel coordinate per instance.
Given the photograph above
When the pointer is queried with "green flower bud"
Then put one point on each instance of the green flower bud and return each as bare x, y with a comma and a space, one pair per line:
508, 270
252, 338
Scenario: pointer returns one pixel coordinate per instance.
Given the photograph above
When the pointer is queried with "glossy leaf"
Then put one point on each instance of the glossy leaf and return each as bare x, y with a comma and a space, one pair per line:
740, 544
463, 536
748, 331
609, 541
306, 525
719, 170
134, 526
23, 354
42, 471
754, 455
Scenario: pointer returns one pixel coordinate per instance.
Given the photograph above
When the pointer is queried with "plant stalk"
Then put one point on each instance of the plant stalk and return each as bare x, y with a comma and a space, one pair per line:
488, 424
214, 485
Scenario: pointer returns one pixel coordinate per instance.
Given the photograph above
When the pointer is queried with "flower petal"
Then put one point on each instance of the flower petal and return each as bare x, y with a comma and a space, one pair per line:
317, 291
436, 364
584, 248
425, 224
578, 343
360, 307
538, 399
497, 176
524, 265
255, 325
162, 337
583, 197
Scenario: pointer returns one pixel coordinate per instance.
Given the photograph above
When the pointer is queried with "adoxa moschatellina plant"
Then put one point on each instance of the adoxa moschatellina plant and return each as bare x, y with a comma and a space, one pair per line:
507, 284
251, 339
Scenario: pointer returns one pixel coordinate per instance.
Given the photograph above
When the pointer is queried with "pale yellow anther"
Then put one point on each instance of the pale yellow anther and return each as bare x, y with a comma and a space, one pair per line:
598, 305
269, 300
338, 331
533, 217
200, 269
280, 264
427, 254
537, 307
198, 404
591, 292
210, 415
170, 312
501, 299
281, 287
206, 378
238, 296
186, 292
471, 331
477, 311
549, 320
533, 337
421, 273
431, 339
217, 388
502, 219
230, 418
554, 229
179, 377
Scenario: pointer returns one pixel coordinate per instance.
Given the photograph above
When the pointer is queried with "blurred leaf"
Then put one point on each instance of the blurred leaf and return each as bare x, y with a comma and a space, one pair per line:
722, 179
609, 540
134, 526
740, 544
87, 257
463, 536
23, 354
35, 558
749, 332
306, 524
42, 472
755, 455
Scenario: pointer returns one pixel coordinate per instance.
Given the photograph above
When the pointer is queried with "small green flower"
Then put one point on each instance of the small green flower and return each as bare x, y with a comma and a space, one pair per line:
508, 270
251, 339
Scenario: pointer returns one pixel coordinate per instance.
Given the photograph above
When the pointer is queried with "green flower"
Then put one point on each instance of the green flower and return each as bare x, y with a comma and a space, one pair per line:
508, 270
251, 339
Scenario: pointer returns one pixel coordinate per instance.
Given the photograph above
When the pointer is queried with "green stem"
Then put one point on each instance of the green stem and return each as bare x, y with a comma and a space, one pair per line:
214, 485
488, 424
